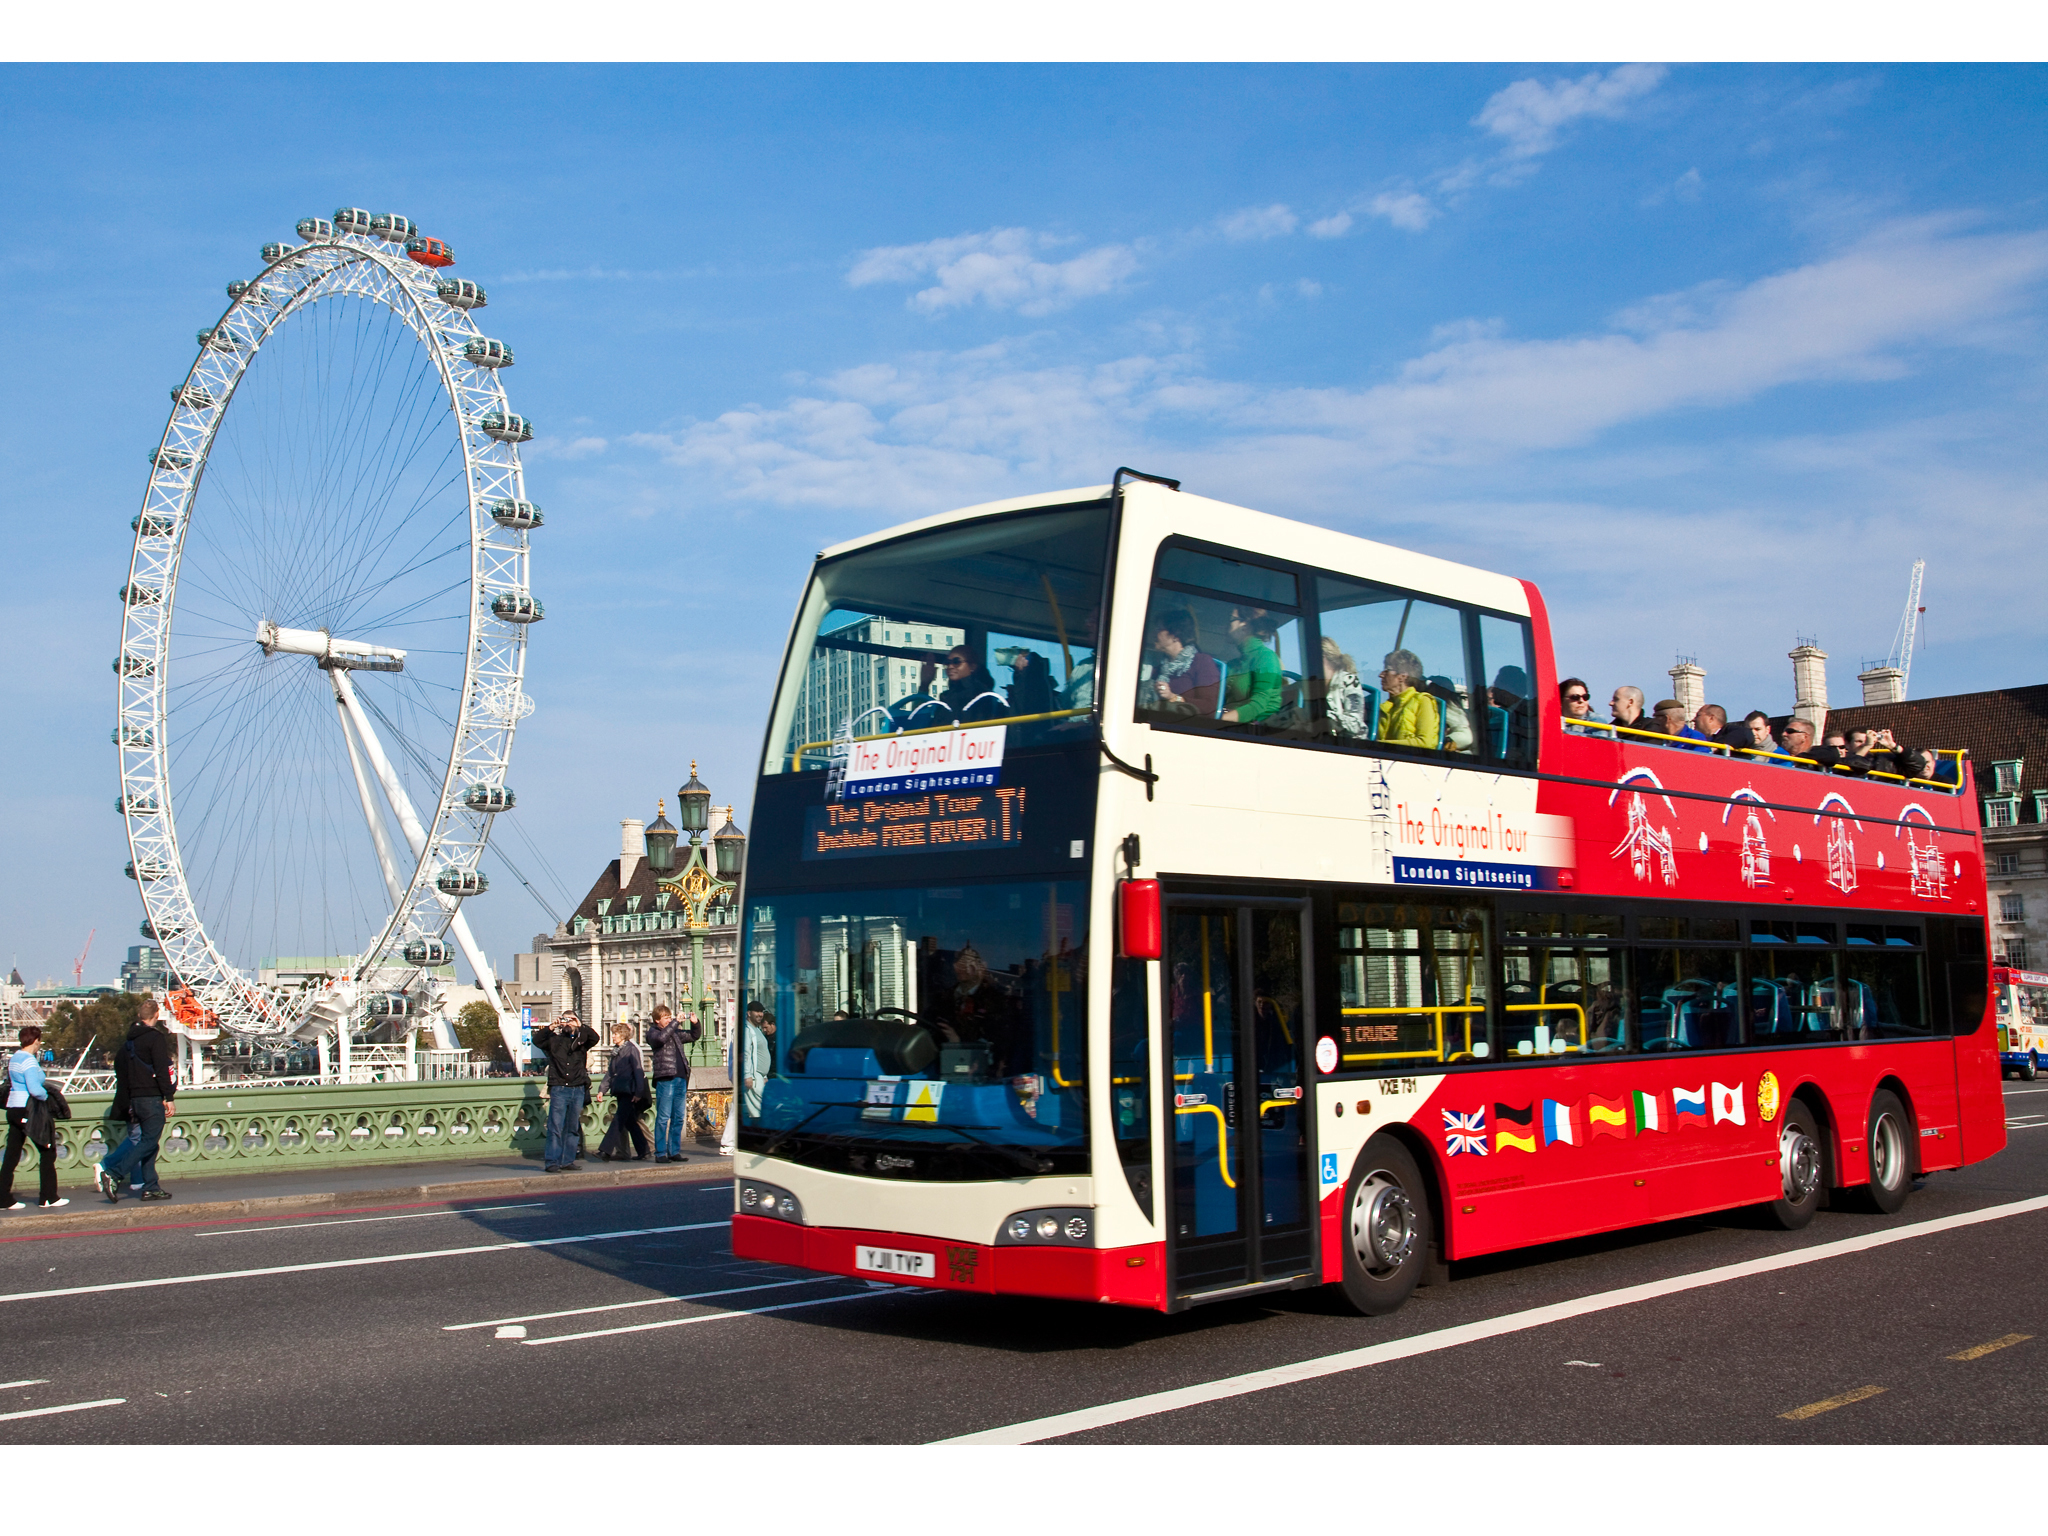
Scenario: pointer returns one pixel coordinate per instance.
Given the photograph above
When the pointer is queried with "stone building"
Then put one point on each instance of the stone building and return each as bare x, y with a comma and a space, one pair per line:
2006, 733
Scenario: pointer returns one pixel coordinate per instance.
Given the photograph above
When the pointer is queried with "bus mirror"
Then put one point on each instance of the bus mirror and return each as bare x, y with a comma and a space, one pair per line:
1138, 927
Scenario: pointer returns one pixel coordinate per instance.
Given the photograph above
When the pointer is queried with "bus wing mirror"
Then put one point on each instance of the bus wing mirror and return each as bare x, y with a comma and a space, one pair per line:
1138, 926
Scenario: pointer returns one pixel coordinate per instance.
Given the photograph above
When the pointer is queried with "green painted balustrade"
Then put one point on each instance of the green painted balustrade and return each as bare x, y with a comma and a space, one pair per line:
258, 1129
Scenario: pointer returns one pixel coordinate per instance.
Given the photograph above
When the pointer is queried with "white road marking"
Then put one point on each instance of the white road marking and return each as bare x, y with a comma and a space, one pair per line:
33, 1381
511, 1331
388, 1258
37, 1413
651, 1301
2034, 1126
2013, 1093
350, 1221
1055, 1425
719, 1317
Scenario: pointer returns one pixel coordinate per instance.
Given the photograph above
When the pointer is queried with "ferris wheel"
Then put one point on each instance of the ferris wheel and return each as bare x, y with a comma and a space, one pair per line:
323, 637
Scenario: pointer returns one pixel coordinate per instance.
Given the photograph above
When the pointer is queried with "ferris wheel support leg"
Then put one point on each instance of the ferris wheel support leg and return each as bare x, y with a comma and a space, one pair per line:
378, 834
416, 838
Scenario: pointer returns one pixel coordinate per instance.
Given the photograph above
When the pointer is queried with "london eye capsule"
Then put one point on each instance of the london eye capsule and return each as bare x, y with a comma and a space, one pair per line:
221, 339
320, 229
430, 252
460, 292
395, 227
461, 882
192, 396
154, 525
518, 606
506, 426
389, 1005
150, 930
486, 353
133, 664
511, 513
133, 736
352, 221
147, 869
135, 594
426, 952
489, 798
277, 250
171, 458
143, 804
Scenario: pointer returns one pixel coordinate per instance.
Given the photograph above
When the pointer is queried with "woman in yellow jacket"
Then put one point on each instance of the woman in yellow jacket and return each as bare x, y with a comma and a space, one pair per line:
1408, 716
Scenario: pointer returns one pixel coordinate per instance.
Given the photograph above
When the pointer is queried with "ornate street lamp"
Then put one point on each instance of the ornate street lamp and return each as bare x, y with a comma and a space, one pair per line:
706, 879
693, 805
661, 842
731, 847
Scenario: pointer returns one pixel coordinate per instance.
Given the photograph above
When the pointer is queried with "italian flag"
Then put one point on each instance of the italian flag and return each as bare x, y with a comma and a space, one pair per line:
1650, 1112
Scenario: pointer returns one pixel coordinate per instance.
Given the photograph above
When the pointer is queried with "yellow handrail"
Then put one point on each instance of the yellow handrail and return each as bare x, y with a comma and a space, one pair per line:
1222, 1136
796, 754
1722, 749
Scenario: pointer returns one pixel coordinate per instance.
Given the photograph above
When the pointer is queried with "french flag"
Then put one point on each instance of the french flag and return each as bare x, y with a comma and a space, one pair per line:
1563, 1122
1689, 1101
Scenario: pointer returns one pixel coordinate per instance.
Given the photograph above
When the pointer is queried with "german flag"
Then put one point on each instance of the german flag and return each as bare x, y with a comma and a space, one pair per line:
1514, 1125
1607, 1117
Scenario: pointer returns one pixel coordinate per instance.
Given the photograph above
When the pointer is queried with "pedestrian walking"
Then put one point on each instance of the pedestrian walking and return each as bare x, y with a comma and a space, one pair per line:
626, 1081
29, 1120
566, 1043
145, 1090
671, 1072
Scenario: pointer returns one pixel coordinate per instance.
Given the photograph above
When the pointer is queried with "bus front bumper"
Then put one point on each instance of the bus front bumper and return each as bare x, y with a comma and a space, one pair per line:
1130, 1277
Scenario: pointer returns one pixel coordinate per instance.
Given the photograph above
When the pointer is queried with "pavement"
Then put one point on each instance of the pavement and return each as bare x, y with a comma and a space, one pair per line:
443, 1317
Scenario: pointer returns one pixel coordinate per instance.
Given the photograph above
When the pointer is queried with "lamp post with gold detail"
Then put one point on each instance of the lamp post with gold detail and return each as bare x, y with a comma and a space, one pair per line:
708, 877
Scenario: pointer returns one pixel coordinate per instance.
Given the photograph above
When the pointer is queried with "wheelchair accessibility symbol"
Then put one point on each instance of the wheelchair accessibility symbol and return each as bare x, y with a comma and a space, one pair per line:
1330, 1174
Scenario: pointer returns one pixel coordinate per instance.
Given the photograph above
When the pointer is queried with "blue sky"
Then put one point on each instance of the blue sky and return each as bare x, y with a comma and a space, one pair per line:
1710, 353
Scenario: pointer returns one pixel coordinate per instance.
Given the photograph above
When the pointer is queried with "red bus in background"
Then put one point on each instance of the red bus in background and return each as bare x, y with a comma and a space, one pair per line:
1265, 927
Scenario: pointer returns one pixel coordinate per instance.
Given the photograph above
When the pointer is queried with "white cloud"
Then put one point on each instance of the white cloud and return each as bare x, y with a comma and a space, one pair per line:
1529, 115
1308, 288
1403, 210
998, 268
1330, 228
1687, 188
1258, 223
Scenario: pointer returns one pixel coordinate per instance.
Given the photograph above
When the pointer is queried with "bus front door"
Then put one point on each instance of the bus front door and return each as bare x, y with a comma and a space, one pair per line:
1237, 1004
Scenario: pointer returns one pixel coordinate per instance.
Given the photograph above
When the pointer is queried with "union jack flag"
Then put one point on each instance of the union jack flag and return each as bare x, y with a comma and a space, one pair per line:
1465, 1133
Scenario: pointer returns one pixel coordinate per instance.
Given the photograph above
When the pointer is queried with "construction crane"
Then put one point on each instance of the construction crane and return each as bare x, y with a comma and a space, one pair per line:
78, 965
1909, 629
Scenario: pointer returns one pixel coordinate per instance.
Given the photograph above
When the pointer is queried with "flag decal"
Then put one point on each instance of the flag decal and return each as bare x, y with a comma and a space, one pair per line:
1688, 1102
1514, 1126
1465, 1132
1563, 1122
1607, 1117
1651, 1115
1728, 1104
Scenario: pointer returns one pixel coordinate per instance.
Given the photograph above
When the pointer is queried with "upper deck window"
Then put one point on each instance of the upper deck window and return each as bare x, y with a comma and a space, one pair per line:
982, 623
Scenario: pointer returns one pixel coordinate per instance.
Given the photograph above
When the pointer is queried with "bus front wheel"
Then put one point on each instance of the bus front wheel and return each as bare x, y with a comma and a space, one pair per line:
1801, 1169
1386, 1228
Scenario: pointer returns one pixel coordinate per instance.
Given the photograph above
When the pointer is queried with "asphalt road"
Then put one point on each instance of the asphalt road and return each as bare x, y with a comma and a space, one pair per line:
621, 1315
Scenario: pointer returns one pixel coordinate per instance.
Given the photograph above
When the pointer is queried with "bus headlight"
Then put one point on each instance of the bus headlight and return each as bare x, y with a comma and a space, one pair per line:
767, 1200
1065, 1226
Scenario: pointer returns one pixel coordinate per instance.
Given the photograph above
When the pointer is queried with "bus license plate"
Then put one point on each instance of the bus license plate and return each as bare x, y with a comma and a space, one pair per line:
897, 1261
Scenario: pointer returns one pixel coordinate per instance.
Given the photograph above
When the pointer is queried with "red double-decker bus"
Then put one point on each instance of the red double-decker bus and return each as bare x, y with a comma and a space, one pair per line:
1155, 901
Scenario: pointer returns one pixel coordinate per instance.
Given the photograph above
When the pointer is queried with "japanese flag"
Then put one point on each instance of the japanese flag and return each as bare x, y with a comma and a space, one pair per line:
1728, 1103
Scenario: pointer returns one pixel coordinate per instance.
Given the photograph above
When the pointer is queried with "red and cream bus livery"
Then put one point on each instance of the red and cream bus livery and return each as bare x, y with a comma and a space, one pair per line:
1155, 901
2021, 999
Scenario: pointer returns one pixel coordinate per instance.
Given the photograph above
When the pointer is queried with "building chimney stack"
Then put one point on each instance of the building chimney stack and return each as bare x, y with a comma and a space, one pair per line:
1810, 686
1883, 685
632, 849
1689, 684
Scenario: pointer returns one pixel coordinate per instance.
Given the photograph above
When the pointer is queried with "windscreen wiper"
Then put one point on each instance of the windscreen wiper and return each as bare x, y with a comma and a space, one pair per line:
781, 1136
1020, 1159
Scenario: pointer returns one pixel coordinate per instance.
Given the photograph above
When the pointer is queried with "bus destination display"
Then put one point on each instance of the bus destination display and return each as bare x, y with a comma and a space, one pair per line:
936, 822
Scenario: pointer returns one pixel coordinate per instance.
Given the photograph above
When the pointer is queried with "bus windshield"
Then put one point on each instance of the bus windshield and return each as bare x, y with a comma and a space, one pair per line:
982, 623
921, 1032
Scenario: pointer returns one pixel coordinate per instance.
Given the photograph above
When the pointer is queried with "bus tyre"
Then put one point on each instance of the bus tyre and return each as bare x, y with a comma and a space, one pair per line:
2031, 1067
1801, 1169
1386, 1228
1889, 1146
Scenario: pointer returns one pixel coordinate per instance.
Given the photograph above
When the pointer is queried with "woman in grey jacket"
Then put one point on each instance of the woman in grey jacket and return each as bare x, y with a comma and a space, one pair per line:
671, 1073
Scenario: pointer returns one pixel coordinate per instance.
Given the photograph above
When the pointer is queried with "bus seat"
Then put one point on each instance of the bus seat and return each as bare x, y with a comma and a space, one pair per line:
1497, 729
1372, 712
932, 712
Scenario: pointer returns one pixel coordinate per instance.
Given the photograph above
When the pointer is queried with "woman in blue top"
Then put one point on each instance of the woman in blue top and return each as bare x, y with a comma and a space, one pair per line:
24, 1083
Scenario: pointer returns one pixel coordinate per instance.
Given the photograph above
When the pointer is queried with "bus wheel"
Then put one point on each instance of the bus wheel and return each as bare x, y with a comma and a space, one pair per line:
1800, 1165
1890, 1148
2031, 1067
1386, 1228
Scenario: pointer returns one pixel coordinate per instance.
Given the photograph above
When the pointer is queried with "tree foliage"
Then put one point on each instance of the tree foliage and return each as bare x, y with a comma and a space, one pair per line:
97, 1027
476, 1027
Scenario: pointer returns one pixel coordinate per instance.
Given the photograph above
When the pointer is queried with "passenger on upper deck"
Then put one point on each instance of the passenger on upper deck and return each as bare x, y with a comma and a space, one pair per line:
1408, 716
1457, 718
1758, 724
1671, 722
1030, 682
1188, 680
1712, 723
970, 693
1578, 707
1798, 742
1254, 688
1344, 693
1627, 705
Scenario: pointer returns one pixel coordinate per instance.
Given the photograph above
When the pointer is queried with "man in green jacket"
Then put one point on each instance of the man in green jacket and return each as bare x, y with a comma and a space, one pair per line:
1254, 686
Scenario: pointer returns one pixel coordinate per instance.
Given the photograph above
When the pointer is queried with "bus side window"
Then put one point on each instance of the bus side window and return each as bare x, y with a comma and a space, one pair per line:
1510, 704
1406, 654
1130, 1071
1412, 984
1224, 647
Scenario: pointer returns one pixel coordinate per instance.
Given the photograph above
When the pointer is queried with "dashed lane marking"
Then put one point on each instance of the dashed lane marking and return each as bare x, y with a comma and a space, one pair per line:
350, 1221
1830, 1404
33, 1381
1979, 1351
1082, 1419
37, 1413
385, 1258
621, 1306
865, 1294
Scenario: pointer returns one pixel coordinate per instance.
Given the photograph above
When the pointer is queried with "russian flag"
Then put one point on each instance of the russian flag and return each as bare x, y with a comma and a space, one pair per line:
1563, 1122
1689, 1101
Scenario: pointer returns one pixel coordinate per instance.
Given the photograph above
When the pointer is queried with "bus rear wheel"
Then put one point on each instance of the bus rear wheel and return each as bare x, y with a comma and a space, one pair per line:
1889, 1146
1801, 1166
2031, 1067
1386, 1232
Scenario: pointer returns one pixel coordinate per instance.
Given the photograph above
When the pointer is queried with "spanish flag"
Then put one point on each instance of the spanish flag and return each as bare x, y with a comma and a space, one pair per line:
1514, 1125
1651, 1112
1607, 1117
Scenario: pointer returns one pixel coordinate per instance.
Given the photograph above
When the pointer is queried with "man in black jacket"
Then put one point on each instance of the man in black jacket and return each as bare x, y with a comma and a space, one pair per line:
671, 1072
145, 1075
567, 1044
